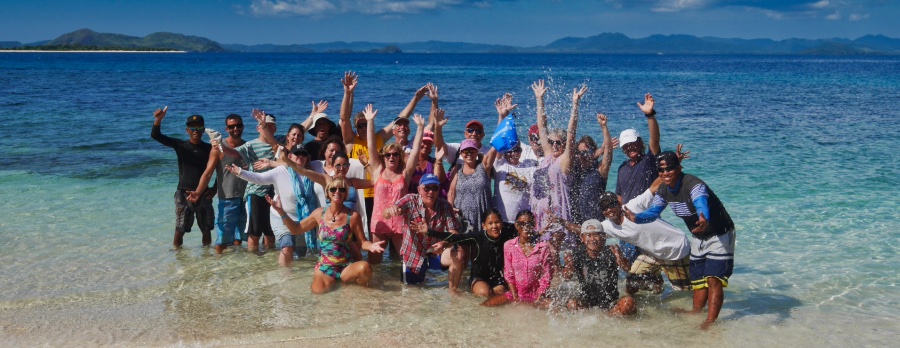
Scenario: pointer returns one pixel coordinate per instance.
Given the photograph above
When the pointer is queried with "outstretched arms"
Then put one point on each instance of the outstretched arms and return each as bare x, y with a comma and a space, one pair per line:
413, 159
566, 158
349, 81
539, 91
504, 106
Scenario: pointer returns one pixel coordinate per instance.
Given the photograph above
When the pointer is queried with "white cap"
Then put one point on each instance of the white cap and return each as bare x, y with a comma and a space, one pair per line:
592, 226
628, 136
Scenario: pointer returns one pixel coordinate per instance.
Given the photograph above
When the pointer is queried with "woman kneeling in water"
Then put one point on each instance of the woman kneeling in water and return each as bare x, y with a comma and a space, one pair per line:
337, 225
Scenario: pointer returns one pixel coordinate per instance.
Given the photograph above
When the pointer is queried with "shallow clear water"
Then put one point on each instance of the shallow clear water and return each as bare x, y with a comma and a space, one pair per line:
802, 151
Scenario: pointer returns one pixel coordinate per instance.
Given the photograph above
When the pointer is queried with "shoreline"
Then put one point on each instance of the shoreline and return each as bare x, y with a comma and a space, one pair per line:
99, 51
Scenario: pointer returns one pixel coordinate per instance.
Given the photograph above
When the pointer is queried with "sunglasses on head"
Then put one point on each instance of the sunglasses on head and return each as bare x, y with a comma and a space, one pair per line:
431, 188
392, 154
236, 125
338, 189
667, 169
474, 131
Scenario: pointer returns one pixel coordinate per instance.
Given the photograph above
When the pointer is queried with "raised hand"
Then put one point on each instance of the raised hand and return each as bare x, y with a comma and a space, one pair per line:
647, 107
262, 164
317, 108
160, 114
601, 119
629, 214
682, 155
276, 204
349, 81
439, 118
370, 112
432, 91
539, 89
421, 92
418, 120
578, 93
388, 212
259, 116
615, 142
440, 153
701, 224
504, 105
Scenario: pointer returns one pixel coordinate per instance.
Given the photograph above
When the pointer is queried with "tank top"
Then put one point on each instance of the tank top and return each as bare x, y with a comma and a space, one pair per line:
333, 247
386, 193
473, 195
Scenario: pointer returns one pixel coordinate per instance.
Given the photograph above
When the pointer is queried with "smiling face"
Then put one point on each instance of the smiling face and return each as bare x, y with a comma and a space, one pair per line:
470, 157
557, 144
492, 225
337, 191
475, 132
593, 241
323, 129
330, 150
234, 127
669, 174
195, 131
429, 194
634, 150
401, 130
425, 151
525, 226
513, 156
294, 137
341, 166
392, 155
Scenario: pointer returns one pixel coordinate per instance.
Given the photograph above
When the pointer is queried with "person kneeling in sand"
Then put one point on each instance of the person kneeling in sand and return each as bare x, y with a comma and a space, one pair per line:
337, 225
594, 264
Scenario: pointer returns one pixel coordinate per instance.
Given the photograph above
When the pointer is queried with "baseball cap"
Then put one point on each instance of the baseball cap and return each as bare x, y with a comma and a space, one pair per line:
299, 150
401, 120
533, 130
474, 123
670, 157
591, 226
270, 118
467, 144
194, 119
429, 179
628, 136
428, 136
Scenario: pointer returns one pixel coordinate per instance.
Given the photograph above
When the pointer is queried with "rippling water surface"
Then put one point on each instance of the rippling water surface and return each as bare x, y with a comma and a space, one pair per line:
802, 151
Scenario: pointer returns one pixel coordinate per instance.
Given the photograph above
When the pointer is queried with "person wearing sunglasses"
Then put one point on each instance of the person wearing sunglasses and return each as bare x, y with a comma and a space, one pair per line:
712, 245
293, 191
391, 173
550, 191
528, 265
337, 226
419, 251
193, 156
474, 132
638, 170
589, 176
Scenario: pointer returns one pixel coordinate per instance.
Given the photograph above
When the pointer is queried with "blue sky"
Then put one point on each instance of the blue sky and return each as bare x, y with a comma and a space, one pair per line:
512, 22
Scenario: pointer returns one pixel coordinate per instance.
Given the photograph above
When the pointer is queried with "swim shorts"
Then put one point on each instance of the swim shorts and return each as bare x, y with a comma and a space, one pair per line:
258, 217
712, 257
677, 271
185, 211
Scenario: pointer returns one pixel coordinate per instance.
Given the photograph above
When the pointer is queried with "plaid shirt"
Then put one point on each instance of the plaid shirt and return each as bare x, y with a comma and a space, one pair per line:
415, 245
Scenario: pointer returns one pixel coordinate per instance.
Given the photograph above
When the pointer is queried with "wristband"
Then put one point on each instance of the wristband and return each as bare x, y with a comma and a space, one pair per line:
652, 114
284, 216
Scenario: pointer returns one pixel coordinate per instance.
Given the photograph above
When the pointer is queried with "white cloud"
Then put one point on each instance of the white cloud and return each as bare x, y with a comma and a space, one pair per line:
679, 5
324, 7
858, 17
820, 4
834, 16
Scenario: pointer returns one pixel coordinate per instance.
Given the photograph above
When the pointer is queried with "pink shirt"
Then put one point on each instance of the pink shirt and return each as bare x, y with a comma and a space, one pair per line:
530, 274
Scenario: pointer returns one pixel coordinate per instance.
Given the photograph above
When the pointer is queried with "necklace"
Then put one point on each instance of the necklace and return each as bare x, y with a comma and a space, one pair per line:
334, 215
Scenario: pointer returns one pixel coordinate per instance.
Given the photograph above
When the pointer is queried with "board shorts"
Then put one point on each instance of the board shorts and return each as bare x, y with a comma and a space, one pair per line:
712, 257
409, 277
230, 221
677, 271
258, 217
185, 211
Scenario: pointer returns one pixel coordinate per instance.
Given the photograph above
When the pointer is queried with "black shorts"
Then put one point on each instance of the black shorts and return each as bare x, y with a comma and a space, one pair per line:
492, 282
258, 217
185, 211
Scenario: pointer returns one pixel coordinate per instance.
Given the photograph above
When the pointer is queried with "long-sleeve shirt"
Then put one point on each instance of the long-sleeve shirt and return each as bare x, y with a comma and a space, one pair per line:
488, 263
689, 197
530, 274
192, 158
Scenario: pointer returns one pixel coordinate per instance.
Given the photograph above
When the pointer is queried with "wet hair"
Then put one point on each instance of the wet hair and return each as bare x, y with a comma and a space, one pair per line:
334, 139
231, 117
525, 212
608, 200
394, 146
489, 212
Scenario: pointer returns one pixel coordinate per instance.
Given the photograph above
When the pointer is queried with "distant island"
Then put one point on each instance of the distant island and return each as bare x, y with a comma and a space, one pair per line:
606, 43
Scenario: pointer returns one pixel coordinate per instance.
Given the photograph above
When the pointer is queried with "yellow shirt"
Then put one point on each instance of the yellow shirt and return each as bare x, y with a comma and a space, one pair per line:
360, 149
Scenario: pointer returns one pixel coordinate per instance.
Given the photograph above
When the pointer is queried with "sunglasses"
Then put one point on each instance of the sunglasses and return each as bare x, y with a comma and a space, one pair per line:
431, 188
392, 154
196, 128
343, 165
555, 142
362, 125
474, 131
525, 224
468, 152
535, 138
338, 189
666, 169
233, 126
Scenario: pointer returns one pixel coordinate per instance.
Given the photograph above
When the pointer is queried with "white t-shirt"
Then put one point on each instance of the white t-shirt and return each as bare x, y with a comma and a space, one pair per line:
283, 181
512, 187
528, 153
658, 238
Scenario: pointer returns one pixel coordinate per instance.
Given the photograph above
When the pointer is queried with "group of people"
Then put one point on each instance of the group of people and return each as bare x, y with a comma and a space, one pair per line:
531, 221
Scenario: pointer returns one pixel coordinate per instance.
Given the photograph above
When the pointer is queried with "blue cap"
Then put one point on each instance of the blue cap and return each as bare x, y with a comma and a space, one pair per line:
429, 179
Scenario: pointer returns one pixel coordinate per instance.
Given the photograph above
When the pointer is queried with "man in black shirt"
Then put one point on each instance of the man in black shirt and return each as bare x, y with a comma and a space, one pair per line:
594, 265
192, 158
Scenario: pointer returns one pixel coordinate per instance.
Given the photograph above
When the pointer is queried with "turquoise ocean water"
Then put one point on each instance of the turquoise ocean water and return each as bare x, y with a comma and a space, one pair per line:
801, 150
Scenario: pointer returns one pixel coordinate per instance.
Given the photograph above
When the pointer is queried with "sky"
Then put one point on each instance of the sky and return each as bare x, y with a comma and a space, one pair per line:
521, 23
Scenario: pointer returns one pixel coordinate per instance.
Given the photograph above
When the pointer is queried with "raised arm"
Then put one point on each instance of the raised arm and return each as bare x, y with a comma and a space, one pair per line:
606, 147
539, 91
488, 160
439, 122
413, 159
650, 112
565, 162
439, 171
263, 128
316, 108
504, 106
156, 133
349, 81
433, 95
375, 163
295, 227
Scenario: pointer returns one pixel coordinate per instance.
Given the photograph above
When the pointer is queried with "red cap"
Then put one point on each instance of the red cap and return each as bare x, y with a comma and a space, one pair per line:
474, 123
533, 130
